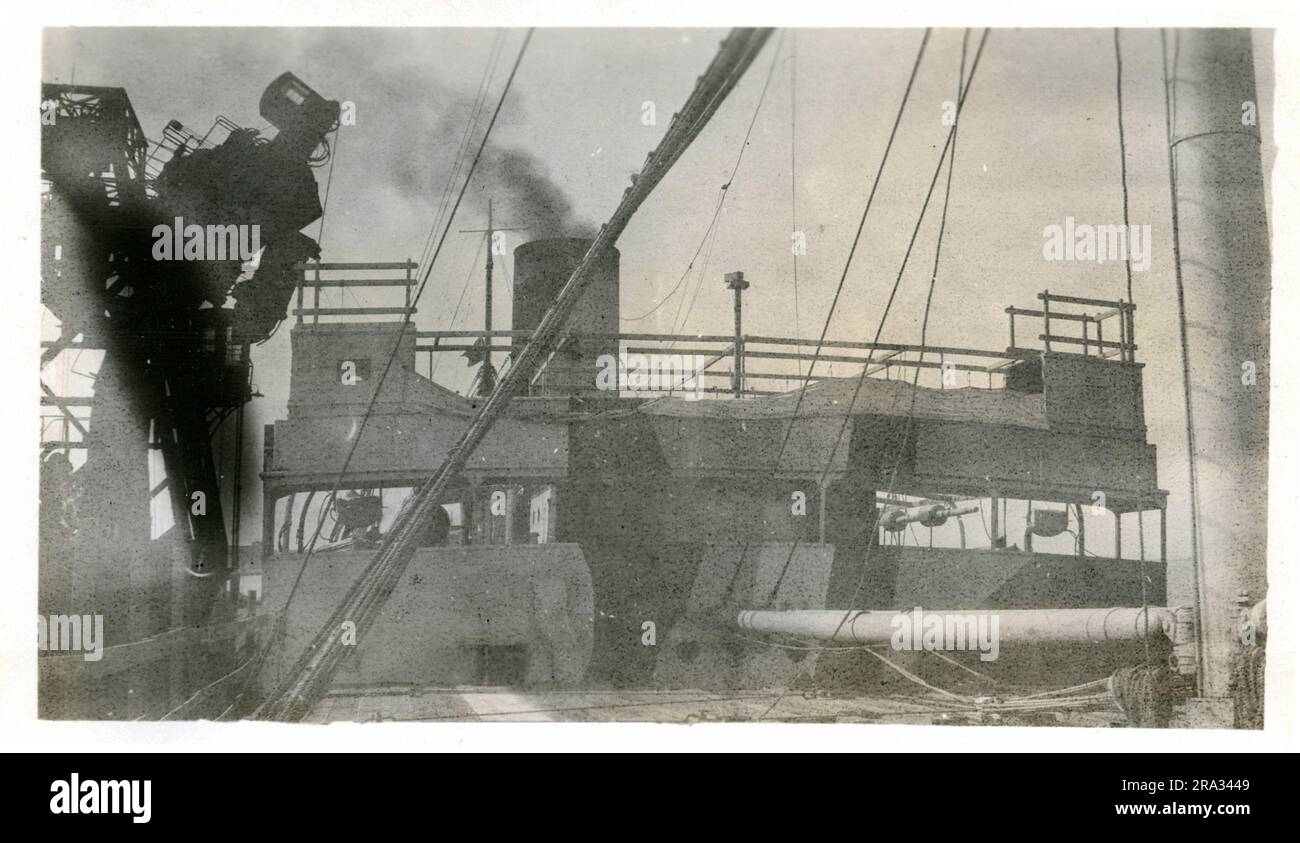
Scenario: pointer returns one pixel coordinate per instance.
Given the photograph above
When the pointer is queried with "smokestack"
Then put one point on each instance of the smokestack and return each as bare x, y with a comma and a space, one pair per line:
541, 269
1224, 295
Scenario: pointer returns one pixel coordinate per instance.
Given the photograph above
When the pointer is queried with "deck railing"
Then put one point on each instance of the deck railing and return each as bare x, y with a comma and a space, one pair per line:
767, 364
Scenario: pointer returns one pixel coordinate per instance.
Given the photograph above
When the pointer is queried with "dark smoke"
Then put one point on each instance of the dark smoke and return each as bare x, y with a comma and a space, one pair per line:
527, 195
412, 123
519, 184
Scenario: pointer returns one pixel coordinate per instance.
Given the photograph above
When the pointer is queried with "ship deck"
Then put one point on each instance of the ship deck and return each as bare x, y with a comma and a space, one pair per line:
511, 705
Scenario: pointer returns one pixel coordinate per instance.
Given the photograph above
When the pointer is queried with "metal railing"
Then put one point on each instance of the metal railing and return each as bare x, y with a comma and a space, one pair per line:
313, 279
783, 361
767, 364
1123, 347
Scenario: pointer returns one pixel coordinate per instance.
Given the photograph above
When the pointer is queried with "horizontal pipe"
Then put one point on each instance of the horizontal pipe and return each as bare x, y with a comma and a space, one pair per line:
838, 626
880, 346
897, 516
1127, 346
371, 265
352, 311
1123, 305
326, 283
1069, 317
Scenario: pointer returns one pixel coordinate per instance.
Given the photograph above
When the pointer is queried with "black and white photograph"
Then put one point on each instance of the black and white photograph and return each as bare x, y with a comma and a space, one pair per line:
854, 375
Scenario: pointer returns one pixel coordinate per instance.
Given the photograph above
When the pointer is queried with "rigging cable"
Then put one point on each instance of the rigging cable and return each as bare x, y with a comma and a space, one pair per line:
794, 191
329, 181
686, 272
722, 195
1128, 278
862, 378
830, 313
963, 91
699, 285
462, 147
406, 319
744, 145
1123, 160
451, 323
1171, 103
364, 600
427, 272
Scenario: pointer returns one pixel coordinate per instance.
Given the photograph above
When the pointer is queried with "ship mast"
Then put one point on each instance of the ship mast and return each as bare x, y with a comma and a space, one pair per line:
487, 377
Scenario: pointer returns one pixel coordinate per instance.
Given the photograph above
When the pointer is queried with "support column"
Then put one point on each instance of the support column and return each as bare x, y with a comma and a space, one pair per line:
737, 283
269, 502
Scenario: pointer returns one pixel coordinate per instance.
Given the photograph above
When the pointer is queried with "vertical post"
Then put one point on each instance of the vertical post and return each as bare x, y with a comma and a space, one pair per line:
996, 525
487, 380
737, 283
1123, 336
237, 491
315, 317
1047, 321
1163, 537
269, 502
487, 289
268, 492
302, 282
1132, 357
407, 304
1029, 522
1119, 534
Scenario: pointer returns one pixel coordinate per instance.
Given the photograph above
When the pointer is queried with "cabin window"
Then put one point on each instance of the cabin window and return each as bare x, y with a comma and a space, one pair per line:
539, 516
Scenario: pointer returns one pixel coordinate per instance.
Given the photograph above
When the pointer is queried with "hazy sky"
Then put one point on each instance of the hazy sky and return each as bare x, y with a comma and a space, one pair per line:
1037, 143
